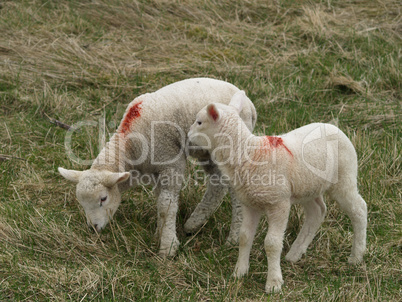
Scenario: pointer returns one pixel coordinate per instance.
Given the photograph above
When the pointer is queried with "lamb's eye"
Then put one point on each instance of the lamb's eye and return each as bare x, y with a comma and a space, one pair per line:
199, 122
102, 200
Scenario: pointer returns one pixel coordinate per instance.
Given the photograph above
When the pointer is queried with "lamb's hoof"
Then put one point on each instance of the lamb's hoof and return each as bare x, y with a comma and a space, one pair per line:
232, 242
169, 251
273, 286
355, 260
190, 227
240, 271
293, 257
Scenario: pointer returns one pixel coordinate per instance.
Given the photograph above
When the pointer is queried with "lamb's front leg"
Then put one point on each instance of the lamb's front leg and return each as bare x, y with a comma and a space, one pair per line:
167, 210
251, 217
278, 215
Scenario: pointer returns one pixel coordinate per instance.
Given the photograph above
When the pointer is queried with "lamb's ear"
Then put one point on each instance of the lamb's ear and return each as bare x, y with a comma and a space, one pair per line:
238, 100
213, 112
112, 179
71, 175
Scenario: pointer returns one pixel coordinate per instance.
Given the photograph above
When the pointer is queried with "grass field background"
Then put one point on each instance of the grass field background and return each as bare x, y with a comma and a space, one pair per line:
298, 61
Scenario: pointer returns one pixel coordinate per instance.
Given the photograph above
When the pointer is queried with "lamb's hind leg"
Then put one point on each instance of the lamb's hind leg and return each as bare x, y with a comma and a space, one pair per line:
355, 207
216, 190
210, 201
168, 195
314, 212
237, 218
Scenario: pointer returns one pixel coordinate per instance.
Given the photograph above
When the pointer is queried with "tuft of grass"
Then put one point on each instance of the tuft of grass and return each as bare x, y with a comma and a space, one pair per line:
299, 62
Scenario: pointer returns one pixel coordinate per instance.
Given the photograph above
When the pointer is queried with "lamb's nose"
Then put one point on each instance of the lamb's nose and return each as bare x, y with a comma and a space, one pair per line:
94, 227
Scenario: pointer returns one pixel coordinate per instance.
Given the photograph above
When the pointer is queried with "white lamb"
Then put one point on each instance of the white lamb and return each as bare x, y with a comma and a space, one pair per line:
270, 173
151, 142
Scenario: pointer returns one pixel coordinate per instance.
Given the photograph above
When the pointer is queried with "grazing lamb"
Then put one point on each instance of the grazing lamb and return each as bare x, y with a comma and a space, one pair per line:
270, 173
151, 143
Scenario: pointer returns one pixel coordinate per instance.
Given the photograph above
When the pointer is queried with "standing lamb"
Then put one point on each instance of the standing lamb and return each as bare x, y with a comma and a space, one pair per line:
151, 143
270, 173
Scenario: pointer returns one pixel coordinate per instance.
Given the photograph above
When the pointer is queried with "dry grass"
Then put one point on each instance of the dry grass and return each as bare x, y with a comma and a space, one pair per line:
299, 61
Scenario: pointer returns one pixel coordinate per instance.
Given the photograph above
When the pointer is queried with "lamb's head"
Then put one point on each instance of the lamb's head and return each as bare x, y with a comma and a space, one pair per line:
209, 120
98, 193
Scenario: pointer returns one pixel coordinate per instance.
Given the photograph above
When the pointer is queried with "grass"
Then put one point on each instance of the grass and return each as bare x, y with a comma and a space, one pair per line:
299, 62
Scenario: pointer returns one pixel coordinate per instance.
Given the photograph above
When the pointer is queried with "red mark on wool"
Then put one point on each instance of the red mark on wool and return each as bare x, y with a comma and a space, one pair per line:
133, 113
275, 142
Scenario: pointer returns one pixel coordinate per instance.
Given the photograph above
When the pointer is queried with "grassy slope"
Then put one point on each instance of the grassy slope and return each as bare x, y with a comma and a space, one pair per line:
299, 63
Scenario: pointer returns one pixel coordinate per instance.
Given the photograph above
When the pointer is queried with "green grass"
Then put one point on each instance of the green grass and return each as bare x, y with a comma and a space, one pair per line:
298, 61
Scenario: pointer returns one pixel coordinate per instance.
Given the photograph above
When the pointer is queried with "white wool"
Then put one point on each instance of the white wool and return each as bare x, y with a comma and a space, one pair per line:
158, 123
270, 173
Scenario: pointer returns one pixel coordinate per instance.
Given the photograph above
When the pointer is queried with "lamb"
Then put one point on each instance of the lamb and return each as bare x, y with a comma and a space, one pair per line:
151, 143
270, 173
